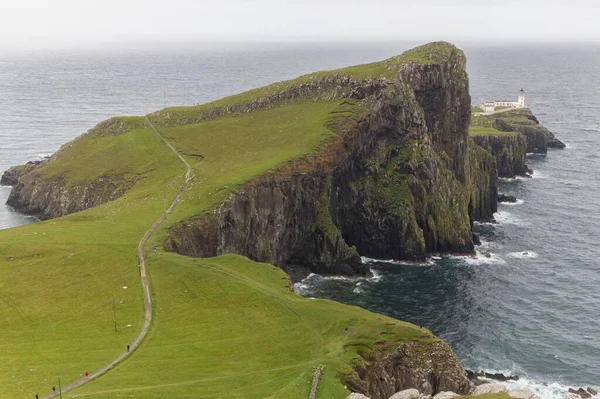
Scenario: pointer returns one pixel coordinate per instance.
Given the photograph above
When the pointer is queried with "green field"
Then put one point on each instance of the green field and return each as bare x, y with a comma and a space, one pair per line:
487, 131
221, 327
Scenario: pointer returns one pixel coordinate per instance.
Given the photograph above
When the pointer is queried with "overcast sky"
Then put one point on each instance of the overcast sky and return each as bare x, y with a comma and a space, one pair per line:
81, 22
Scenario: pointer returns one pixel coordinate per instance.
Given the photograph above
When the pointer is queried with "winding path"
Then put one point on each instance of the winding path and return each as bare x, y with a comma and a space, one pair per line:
145, 284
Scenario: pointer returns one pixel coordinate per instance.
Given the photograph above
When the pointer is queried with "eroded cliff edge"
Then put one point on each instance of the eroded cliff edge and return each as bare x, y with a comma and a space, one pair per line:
401, 182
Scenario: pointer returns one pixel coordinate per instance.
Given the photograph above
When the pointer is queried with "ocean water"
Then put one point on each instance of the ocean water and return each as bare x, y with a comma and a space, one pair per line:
528, 303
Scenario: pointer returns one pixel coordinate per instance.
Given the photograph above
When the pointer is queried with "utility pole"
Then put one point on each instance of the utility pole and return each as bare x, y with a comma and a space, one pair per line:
115, 314
59, 388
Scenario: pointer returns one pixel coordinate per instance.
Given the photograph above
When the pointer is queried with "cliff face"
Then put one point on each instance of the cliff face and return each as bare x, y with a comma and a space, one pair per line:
399, 184
484, 184
539, 139
11, 176
46, 199
429, 367
509, 150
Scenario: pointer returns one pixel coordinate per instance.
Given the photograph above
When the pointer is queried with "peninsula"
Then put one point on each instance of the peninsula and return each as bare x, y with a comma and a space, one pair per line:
380, 160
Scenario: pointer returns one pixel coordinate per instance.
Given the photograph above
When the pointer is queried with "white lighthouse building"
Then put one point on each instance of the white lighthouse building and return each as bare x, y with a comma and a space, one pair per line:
521, 99
491, 106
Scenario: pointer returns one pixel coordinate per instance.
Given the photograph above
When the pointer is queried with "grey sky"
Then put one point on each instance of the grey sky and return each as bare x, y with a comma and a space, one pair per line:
73, 22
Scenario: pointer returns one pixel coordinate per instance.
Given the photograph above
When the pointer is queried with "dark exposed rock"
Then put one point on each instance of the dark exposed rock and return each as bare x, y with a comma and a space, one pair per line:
539, 139
476, 239
12, 175
474, 377
581, 392
406, 181
429, 367
507, 198
509, 150
48, 198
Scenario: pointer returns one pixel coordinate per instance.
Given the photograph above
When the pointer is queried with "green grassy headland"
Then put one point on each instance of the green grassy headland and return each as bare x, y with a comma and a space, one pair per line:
222, 327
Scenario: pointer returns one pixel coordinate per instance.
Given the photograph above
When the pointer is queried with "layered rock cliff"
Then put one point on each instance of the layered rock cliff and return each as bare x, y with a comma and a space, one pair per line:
539, 139
509, 150
401, 183
429, 367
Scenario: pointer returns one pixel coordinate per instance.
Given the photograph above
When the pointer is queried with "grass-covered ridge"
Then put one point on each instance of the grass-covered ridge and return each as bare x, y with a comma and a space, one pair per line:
317, 86
226, 327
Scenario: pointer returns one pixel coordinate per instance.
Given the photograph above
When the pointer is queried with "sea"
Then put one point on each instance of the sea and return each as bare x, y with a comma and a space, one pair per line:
527, 304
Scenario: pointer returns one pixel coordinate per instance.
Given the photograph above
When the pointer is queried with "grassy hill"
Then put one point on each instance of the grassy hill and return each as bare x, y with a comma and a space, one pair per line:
223, 327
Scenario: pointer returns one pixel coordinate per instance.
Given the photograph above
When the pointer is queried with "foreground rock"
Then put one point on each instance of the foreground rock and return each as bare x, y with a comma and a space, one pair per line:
407, 394
445, 395
490, 388
430, 368
357, 396
581, 392
522, 394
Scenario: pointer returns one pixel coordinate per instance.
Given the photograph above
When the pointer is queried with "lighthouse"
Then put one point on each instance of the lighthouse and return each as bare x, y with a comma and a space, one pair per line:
521, 99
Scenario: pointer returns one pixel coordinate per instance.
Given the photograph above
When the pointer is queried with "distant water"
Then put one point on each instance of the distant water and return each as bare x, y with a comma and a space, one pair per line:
531, 308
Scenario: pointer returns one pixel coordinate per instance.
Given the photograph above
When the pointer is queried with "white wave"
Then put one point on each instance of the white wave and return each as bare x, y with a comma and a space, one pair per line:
44, 155
545, 390
376, 276
357, 290
523, 255
537, 175
519, 202
482, 258
504, 217
427, 262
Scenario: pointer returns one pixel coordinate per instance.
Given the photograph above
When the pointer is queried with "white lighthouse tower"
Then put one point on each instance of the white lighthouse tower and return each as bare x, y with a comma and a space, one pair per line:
521, 99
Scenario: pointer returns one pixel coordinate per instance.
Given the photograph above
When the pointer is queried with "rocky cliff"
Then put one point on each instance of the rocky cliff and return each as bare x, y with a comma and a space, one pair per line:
509, 150
11, 176
429, 367
539, 139
74, 178
401, 183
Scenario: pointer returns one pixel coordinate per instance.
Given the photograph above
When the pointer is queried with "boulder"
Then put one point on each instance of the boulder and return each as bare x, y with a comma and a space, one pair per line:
592, 391
522, 394
489, 388
407, 394
355, 395
581, 392
445, 395
506, 198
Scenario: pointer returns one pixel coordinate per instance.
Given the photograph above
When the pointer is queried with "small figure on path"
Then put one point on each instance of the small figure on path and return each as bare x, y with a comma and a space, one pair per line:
37, 396
53, 389
127, 348
87, 374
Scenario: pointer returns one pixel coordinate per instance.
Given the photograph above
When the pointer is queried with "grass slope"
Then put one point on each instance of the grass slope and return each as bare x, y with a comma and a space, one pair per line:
246, 334
222, 327
237, 324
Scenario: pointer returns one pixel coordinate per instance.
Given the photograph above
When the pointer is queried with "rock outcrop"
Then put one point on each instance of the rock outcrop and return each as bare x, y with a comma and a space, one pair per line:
11, 176
428, 367
539, 139
49, 198
509, 150
403, 182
